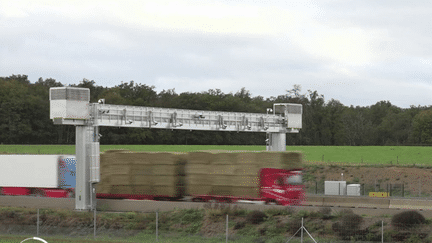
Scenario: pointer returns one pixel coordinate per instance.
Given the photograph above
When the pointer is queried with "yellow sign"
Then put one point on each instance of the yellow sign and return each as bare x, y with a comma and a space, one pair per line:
379, 194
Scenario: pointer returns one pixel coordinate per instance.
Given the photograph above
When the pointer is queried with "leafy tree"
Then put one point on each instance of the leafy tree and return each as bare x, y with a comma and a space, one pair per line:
113, 96
295, 92
395, 128
422, 127
329, 123
334, 110
19, 123
22, 79
167, 99
49, 82
355, 126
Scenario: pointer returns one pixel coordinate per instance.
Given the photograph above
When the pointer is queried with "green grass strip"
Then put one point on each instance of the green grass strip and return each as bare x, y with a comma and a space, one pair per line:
347, 155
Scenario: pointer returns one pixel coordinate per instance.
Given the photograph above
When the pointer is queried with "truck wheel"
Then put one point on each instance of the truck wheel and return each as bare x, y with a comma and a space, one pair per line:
271, 202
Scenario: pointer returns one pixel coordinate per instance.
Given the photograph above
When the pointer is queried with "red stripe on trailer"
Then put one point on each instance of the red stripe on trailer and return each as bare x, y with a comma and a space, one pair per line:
15, 191
125, 196
58, 193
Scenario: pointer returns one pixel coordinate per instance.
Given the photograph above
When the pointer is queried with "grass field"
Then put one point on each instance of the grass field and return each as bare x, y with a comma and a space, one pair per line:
369, 155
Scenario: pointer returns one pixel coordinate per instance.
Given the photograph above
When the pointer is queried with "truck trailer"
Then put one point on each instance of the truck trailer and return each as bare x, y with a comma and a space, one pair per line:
38, 175
156, 176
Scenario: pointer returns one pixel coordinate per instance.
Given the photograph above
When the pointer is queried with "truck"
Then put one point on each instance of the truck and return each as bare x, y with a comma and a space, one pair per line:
38, 175
54, 176
276, 186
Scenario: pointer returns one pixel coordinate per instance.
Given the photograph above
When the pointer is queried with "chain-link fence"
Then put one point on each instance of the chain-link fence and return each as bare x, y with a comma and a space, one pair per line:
216, 223
392, 190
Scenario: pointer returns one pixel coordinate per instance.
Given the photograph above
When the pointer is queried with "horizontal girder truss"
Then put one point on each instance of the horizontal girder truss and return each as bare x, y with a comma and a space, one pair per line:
167, 118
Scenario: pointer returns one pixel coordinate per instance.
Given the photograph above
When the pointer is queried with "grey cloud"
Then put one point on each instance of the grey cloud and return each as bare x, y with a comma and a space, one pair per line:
109, 52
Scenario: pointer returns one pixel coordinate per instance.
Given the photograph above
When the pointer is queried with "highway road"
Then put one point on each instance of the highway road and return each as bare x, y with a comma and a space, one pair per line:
359, 205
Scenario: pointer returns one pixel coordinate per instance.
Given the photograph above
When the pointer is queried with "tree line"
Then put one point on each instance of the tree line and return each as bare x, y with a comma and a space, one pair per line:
24, 116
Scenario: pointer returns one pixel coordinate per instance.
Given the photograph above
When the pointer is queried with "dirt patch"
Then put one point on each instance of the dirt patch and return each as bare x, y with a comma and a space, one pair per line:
211, 229
414, 179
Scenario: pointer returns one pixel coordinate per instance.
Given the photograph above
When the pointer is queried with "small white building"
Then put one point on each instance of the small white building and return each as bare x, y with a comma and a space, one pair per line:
353, 190
335, 188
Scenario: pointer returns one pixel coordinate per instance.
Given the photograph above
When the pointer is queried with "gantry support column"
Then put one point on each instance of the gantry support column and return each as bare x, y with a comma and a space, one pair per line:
277, 141
85, 193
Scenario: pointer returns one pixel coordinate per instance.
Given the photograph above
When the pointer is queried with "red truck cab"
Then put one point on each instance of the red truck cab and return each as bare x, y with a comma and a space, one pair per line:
283, 187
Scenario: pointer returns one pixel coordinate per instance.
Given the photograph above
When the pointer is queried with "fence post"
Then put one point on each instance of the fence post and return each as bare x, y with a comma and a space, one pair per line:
94, 224
419, 187
403, 189
316, 187
226, 228
302, 231
37, 224
157, 218
375, 185
382, 231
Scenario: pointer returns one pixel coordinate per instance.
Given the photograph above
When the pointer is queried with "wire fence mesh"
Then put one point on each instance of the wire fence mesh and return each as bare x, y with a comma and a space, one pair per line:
217, 223
391, 189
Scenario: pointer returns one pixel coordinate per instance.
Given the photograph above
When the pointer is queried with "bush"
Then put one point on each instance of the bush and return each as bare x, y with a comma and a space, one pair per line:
414, 239
239, 225
341, 213
303, 214
256, 217
348, 226
280, 211
294, 225
325, 213
237, 211
8, 214
407, 219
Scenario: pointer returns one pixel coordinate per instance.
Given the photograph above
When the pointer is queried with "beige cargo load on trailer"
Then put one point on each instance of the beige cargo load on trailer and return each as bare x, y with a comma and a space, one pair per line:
233, 173
138, 173
224, 173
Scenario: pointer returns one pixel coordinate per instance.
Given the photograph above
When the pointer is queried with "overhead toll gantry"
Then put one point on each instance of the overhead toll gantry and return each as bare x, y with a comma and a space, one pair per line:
71, 106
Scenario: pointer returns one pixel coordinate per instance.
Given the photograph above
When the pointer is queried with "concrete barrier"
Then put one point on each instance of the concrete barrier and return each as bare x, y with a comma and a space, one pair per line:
34, 202
380, 203
410, 204
151, 206
143, 205
340, 201
356, 202
313, 200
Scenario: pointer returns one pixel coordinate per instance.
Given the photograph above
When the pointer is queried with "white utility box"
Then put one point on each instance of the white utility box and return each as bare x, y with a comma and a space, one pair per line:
94, 153
353, 190
292, 112
335, 188
69, 103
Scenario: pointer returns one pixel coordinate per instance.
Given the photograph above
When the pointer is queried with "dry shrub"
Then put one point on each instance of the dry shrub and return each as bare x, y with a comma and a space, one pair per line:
407, 219
256, 217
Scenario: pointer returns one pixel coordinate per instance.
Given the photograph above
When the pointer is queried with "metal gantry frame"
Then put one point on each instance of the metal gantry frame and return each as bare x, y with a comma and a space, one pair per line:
71, 106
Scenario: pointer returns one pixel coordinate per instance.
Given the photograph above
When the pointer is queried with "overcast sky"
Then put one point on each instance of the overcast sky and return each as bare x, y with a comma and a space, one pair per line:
358, 52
